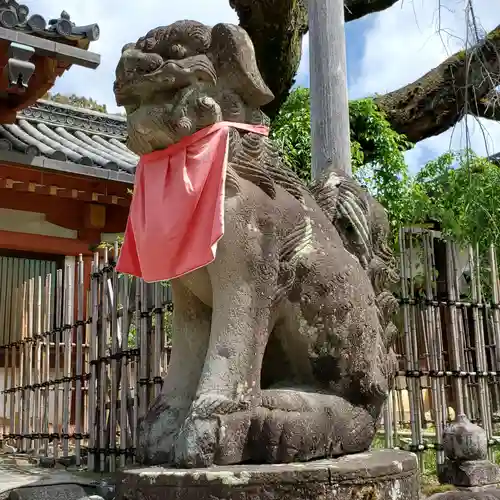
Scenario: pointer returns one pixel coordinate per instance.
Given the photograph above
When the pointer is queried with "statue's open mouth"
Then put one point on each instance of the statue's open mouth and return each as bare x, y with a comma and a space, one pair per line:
133, 88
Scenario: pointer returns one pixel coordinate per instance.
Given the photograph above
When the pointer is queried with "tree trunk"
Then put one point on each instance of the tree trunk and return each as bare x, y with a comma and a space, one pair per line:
276, 28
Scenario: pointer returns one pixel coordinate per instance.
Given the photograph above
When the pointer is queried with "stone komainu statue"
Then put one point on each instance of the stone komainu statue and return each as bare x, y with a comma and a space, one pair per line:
282, 346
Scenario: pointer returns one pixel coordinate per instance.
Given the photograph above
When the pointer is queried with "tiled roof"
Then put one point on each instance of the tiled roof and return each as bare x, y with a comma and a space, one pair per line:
17, 17
70, 134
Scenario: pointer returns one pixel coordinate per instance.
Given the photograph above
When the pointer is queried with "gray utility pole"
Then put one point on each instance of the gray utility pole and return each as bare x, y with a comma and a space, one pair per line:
329, 102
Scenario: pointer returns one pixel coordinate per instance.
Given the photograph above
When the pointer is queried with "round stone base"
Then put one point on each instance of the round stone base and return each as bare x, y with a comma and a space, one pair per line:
374, 475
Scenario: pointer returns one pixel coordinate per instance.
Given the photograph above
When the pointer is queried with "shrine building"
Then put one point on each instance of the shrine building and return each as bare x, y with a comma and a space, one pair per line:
65, 172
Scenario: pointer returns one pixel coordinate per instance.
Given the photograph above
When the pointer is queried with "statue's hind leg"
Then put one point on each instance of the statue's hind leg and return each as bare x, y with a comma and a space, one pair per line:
295, 425
191, 329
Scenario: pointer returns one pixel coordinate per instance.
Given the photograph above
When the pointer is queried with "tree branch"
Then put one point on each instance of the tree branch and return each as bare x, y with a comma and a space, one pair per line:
426, 107
438, 100
277, 27
495, 159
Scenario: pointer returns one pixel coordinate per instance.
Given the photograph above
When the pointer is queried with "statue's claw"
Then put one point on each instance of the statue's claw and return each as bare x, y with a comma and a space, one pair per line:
196, 443
156, 435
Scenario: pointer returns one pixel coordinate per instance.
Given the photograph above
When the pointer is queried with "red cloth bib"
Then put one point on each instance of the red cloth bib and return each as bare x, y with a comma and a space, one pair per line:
176, 216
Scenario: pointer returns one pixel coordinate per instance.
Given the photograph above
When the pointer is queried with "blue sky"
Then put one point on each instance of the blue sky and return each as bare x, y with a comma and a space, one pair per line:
385, 51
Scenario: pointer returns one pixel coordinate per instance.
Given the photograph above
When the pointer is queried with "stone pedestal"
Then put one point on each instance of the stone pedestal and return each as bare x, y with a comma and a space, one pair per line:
375, 475
469, 473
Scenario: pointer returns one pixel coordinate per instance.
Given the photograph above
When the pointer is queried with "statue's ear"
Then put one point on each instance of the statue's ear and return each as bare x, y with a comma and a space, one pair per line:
233, 54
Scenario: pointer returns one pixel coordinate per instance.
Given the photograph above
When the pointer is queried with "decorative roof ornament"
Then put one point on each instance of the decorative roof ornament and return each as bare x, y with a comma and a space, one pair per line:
29, 39
16, 17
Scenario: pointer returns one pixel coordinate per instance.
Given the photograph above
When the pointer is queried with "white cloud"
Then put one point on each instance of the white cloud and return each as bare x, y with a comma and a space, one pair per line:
404, 42
121, 22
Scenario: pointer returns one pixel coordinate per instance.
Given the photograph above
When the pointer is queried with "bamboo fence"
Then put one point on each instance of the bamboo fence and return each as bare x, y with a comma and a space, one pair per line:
87, 361
448, 350
85, 365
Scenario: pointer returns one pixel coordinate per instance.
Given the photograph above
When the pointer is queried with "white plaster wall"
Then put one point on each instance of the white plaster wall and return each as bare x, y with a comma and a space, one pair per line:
32, 223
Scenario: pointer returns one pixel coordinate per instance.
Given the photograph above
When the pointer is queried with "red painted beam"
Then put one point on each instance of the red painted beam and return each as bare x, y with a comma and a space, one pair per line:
26, 242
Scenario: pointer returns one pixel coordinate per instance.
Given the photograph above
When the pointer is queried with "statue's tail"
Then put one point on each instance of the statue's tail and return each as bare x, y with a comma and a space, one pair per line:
362, 223
364, 228
348, 207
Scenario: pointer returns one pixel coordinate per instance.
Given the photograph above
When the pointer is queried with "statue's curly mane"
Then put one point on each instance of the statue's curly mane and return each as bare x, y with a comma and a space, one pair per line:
255, 158
177, 40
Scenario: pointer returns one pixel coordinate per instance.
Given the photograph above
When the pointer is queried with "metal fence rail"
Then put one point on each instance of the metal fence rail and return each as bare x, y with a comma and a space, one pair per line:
90, 356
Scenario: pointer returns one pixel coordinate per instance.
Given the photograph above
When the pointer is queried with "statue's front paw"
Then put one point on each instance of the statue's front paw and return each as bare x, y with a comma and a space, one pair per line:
196, 444
156, 434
